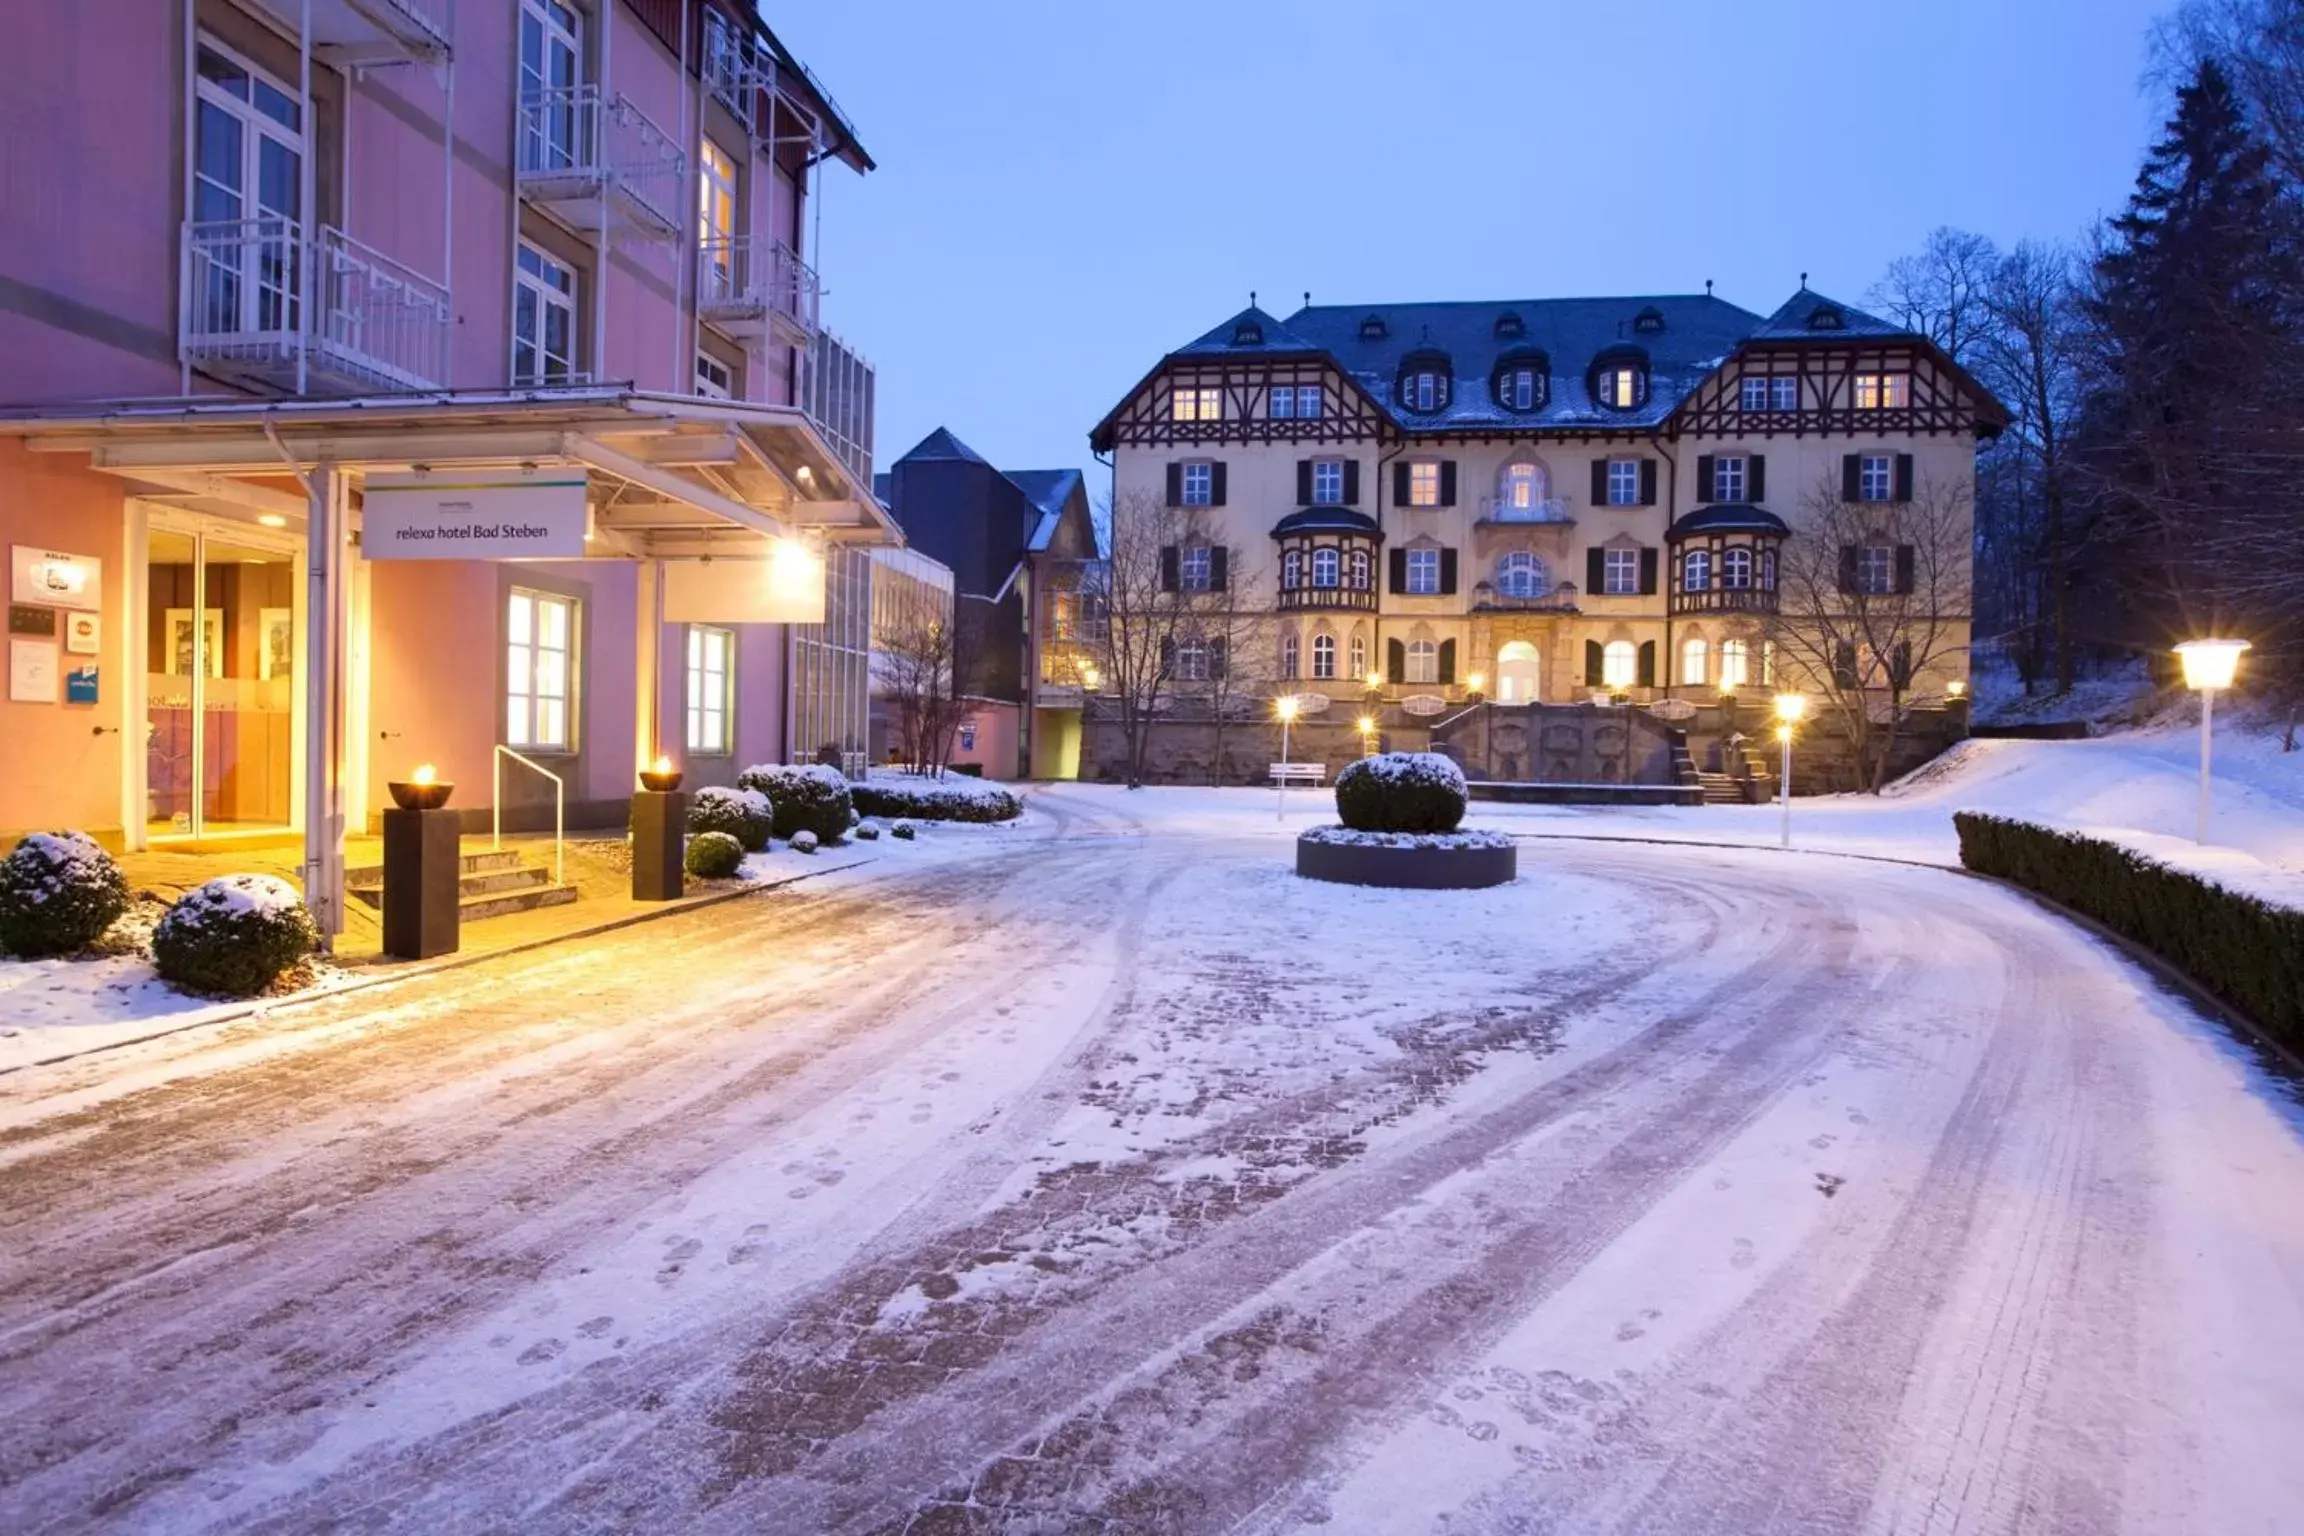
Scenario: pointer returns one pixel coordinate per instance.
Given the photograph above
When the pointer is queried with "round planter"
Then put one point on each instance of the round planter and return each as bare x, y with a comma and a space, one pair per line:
1408, 869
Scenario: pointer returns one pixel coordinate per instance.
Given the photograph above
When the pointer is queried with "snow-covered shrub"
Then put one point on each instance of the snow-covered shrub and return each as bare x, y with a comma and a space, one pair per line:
803, 841
1402, 792
714, 855
806, 797
58, 891
234, 935
904, 830
969, 800
744, 814
867, 832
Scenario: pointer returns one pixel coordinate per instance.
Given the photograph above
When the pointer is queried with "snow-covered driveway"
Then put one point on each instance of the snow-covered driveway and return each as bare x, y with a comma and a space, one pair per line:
1103, 1177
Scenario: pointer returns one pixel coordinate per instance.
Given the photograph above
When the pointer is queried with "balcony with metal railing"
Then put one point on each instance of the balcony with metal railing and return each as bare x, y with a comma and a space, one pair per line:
746, 286
836, 395
350, 34
1719, 599
1309, 599
1559, 597
1531, 509
264, 305
591, 158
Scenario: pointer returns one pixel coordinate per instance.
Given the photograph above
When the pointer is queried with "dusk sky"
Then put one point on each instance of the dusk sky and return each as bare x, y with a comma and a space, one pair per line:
1068, 190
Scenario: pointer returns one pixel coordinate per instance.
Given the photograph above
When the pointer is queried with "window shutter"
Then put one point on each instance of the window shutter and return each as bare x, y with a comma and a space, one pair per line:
1704, 464
1647, 573
1396, 661
1595, 572
1592, 669
1844, 664
1448, 486
1400, 483
1175, 485
1755, 477
1904, 571
1903, 477
1900, 666
1847, 567
1599, 482
1399, 570
1447, 661
1216, 654
1647, 482
1351, 482
1647, 663
1303, 482
1168, 568
1167, 656
1216, 486
1216, 563
1851, 481
1447, 573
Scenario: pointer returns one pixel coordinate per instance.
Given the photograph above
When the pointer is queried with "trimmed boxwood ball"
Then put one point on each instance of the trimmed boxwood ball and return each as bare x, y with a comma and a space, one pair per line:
1402, 792
234, 935
744, 814
866, 832
803, 842
806, 798
58, 891
714, 856
904, 830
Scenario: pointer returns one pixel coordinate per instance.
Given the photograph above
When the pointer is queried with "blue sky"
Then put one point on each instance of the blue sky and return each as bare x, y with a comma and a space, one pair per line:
1067, 190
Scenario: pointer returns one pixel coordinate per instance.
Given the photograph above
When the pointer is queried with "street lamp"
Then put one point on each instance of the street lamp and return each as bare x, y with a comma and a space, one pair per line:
1367, 735
1957, 689
1375, 682
1789, 708
1285, 707
2208, 666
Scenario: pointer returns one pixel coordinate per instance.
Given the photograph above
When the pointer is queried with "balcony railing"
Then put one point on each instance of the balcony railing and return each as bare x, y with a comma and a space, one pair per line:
262, 302
1299, 599
577, 145
736, 69
1542, 509
1725, 600
1560, 598
358, 32
743, 284
836, 393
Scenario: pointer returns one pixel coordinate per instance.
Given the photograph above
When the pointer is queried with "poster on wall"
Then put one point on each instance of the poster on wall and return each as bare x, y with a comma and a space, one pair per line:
276, 642
32, 671
178, 656
54, 579
475, 514
82, 635
80, 686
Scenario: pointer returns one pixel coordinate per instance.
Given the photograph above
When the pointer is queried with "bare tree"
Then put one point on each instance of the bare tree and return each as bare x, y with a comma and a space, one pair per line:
1229, 627
1871, 595
2261, 44
1145, 608
1941, 290
920, 662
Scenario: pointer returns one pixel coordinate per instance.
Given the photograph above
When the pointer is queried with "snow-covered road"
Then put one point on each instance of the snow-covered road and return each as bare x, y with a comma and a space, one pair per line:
1104, 1177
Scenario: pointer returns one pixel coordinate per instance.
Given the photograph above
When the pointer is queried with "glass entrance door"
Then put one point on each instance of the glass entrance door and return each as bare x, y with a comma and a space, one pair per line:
223, 644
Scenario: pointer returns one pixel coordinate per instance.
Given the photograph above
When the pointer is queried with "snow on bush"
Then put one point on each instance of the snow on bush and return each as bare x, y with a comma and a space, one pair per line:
234, 935
806, 797
1402, 792
949, 800
1459, 839
904, 830
803, 842
867, 832
744, 814
58, 892
714, 856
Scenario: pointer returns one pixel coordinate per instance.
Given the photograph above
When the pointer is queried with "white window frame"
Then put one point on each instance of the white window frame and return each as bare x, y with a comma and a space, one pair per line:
1280, 402
1195, 568
559, 29
1736, 568
1192, 661
533, 272
1423, 662
1731, 473
1289, 655
1324, 657
1620, 573
259, 285
1623, 482
1784, 392
1619, 665
1359, 568
1875, 476
1327, 482
1359, 655
1735, 664
1752, 394
1883, 391
1197, 403
711, 691
1524, 486
1696, 571
1693, 656
1520, 574
1308, 405
715, 380
1876, 570
1421, 391
1291, 569
1196, 486
1423, 573
526, 655
1520, 391
1327, 567
1424, 483
716, 181
1619, 387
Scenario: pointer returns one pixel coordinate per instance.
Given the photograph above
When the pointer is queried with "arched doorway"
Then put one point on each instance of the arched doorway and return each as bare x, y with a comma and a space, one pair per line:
1518, 673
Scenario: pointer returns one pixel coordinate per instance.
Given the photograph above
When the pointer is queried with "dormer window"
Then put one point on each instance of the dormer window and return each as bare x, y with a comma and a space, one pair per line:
1649, 321
1424, 380
1248, 334
1620, 386
1827, 317
1510, 327
1523, 381
1373, 328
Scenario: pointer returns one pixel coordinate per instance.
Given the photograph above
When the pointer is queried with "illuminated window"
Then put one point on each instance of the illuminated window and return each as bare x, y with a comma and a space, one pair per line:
1692, 662
1324, 656
1619, 388
1620, 572
539, 653
1424, 485
1288, 654
1197, 404
1883, 391
1735, 664
716, 219
1359, 654
1619, 664
711, 687
1524, 487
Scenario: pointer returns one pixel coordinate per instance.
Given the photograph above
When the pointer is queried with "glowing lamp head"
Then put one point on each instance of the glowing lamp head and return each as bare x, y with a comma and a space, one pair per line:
1475, 680
2210, 663
1957, 688
272, 520
424, 774
1727, 689
1784, 731
1375, 680
1286, 707
1367, 725
662, 764
1790, 707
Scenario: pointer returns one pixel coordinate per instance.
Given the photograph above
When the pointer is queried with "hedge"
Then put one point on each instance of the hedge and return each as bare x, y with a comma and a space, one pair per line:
805, 797
931, 801
2244, 950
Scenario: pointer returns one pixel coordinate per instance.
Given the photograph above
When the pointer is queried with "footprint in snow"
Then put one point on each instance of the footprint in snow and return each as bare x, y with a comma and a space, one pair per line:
1828, 1184
541, 1351
1744, 1256
593, 1327
1822, 1141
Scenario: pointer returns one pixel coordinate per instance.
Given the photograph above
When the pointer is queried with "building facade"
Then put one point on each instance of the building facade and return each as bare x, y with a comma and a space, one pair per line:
538, 269
1558, 500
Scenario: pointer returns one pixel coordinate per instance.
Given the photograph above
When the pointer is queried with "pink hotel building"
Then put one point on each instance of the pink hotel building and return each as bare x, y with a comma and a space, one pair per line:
532, 274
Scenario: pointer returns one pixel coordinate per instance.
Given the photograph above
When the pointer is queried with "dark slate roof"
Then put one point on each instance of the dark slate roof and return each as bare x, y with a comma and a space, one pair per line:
1229, 339
1727, 517
1327, 520
883, 487
1698, 334
1048, 490
941, 444
1808, 316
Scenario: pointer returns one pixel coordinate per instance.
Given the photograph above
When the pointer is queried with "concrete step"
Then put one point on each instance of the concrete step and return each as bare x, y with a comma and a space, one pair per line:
474, 864
498, 879
474, 909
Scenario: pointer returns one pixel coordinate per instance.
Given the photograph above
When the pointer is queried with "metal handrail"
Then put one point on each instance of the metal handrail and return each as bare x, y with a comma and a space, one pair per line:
559, 808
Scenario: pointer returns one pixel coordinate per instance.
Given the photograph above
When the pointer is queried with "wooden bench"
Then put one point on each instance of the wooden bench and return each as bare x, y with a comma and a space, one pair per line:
1299, 773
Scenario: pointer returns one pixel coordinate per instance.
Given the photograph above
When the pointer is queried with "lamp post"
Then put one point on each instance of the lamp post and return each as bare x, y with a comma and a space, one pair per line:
1367, 735
1285, 707
2208, 666
1789, 708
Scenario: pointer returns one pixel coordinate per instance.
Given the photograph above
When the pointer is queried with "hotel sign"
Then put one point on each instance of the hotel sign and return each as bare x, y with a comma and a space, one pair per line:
468, 514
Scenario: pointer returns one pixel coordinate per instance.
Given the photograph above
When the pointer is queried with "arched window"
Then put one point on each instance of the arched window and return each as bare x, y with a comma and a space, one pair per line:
1619, 664
1523, 487
1696, 571
1323, 656
1735, 664
1736, 569
1288, 653
1326, 563
1423, 662
1692, 662
1768, 570
1520, 574
1359, 568
1291, 570
1359, 654
1520, 389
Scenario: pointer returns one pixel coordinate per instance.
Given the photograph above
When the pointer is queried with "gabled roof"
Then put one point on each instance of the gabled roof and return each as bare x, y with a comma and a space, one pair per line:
1048, 490
1810, 316
1249, 333
941, 444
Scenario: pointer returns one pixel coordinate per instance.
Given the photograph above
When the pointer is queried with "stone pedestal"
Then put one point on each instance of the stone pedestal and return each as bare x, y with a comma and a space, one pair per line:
423, 880
659, 823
